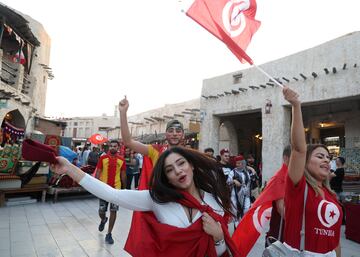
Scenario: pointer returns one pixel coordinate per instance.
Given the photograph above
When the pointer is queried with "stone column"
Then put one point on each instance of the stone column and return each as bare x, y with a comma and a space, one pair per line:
228, 138
19, 80
276, 135
209, 132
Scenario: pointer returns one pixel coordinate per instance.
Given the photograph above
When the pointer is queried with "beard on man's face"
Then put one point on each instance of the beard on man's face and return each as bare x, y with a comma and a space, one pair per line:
113, 151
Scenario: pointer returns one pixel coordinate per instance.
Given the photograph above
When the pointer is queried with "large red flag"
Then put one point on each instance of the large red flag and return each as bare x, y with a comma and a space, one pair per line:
257, 218
231, 21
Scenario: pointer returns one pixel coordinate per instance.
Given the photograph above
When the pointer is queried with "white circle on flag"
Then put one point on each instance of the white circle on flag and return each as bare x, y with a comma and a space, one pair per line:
261, 218
233, 17
99, 137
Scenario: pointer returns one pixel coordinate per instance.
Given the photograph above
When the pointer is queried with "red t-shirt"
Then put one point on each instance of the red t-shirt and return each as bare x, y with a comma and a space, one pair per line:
323, 218
110, 169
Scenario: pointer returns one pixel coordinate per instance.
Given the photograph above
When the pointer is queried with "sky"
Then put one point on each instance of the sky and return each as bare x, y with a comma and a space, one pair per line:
154, 54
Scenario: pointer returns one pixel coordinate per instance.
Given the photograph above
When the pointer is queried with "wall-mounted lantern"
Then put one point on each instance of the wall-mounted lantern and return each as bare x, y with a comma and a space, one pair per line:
268, 106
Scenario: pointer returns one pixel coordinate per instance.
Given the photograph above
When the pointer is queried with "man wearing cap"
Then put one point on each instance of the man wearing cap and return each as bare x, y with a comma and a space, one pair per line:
174, 135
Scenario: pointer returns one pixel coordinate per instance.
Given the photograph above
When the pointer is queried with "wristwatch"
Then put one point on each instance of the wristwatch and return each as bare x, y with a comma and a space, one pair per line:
220, 242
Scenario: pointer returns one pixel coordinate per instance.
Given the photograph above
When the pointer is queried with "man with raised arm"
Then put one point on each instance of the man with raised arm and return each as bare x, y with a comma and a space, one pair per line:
174, 135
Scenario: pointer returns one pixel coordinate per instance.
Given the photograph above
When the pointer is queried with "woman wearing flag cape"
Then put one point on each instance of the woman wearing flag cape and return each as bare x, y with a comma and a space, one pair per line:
186, 208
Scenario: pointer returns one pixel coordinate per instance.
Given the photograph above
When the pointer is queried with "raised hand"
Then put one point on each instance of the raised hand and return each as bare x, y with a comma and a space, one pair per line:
291, 96
123, 105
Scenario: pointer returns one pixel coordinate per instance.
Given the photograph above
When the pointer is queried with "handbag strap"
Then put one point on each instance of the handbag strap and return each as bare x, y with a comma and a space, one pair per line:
302, 232
281, 226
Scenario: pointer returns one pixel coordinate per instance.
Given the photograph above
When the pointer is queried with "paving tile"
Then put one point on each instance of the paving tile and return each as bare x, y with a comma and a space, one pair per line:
18, 219
64, 213
20, 236
99, 253
19, 227
36, 221
4, 224
4, 244
117, 249
58, 225
43, 242
82, 235
66, 242
29, 254
48, 252
73, 252
5, 253
39, 230
4, 232
91, 244
22, 248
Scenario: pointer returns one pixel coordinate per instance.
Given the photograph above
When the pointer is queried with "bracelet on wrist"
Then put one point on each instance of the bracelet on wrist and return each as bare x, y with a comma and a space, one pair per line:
220, 242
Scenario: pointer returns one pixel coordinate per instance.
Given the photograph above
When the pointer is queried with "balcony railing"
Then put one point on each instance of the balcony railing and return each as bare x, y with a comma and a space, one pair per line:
14, 81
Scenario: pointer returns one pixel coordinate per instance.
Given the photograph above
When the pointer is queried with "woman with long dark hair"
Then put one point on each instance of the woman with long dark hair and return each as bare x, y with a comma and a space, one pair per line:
309, 167
188, 199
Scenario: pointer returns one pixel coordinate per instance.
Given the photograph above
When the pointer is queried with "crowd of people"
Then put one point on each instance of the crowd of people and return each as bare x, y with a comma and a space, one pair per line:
190, 200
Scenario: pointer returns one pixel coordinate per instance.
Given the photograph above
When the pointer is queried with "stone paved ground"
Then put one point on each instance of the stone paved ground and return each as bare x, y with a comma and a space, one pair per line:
69, 229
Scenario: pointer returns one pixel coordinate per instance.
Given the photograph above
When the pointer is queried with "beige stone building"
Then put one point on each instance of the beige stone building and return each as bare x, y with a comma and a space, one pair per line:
147, 126
24, 54
245, 112
81, 128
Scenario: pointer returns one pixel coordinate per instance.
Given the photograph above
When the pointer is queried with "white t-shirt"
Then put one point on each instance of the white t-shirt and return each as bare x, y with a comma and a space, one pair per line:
171, 213
140, 158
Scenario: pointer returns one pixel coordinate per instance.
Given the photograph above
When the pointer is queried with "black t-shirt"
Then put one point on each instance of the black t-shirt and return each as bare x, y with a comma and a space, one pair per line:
254, 180
336, 182
93, 158
226, 169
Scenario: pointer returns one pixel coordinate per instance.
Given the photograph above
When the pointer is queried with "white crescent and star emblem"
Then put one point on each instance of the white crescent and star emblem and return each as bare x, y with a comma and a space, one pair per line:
233, 17
261, 218
328, 213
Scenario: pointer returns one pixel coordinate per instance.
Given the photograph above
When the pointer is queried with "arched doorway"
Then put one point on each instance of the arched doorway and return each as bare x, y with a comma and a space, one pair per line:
12, 127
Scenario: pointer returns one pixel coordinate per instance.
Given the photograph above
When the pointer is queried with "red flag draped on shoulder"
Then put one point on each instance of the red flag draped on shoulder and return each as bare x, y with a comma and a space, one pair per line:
139, 231
258, 217
231, 21
146, 172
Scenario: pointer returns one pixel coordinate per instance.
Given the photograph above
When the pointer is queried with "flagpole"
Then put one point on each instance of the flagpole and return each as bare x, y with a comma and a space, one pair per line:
269, 76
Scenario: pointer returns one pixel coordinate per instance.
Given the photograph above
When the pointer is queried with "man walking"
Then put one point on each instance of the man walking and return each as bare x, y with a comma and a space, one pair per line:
110, 169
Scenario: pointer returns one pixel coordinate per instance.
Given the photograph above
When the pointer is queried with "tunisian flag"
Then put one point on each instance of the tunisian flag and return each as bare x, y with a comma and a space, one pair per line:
136, 234
233, 22
258, 217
